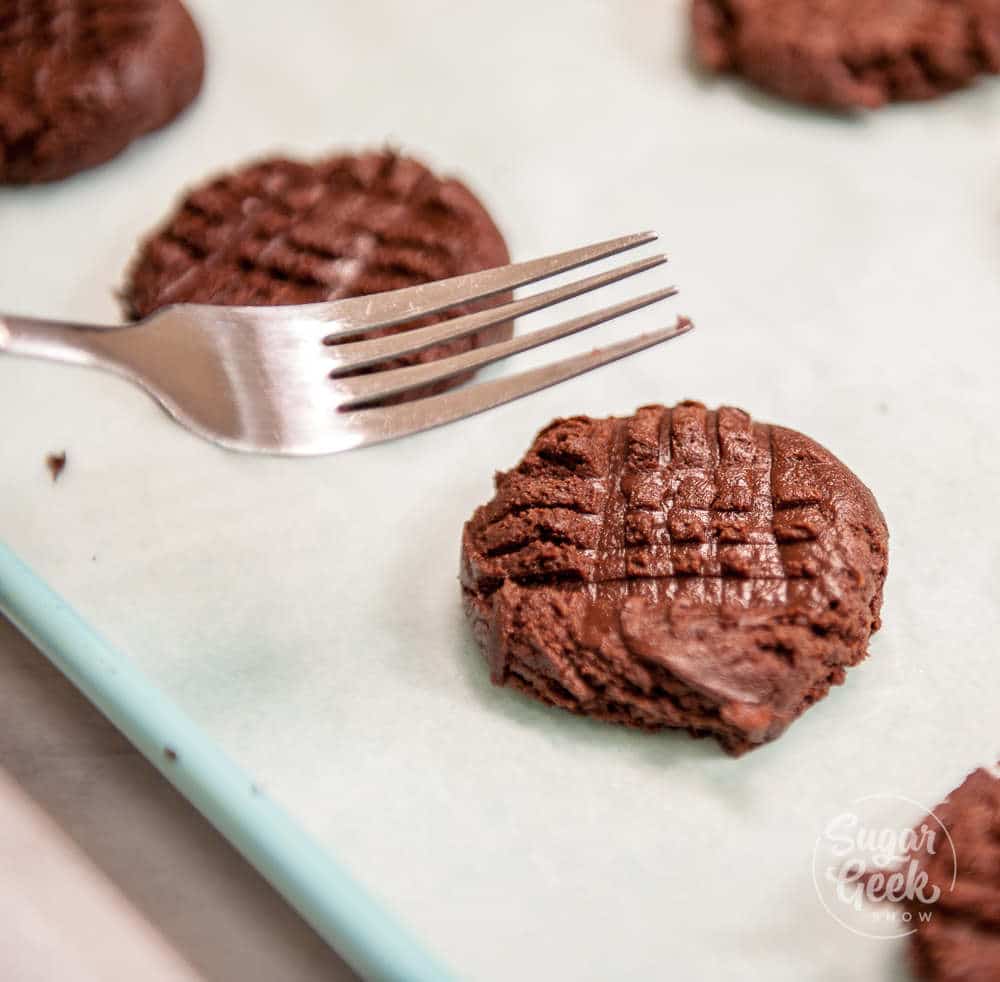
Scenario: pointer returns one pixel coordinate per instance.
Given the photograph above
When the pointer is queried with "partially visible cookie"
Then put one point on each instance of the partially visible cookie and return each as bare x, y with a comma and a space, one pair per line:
850, 53
82, 79
680, 567
958, 937
289, 232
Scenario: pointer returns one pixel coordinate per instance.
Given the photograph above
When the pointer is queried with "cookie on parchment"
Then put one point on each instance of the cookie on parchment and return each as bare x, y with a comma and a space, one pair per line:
958, 937
680, 567
289, 232
850, 53
81, 79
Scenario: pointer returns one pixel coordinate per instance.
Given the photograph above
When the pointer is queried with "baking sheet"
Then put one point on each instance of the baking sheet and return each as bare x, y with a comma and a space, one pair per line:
843, 275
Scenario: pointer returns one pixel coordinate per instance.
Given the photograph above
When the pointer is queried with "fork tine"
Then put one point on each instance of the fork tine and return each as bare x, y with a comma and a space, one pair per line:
361, 354
381, 423
359, 315
382, 385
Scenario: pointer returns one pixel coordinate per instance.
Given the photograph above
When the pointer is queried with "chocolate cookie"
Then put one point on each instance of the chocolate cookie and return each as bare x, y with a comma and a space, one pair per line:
850, 53
676, 568
958, 937
283, 232
82, 79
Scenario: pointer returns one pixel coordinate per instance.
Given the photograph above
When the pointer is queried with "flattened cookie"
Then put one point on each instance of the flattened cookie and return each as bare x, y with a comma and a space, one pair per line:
81, 79
850, 53
676, 568
958, 938
286, 232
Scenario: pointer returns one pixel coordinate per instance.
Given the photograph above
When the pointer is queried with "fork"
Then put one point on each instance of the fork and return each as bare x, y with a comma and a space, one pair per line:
283, 380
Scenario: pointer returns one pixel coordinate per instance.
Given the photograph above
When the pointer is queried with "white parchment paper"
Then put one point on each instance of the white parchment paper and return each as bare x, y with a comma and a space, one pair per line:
843, 274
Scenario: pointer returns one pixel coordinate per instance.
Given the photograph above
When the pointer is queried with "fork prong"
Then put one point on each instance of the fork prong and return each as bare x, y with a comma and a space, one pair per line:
361, 389
381, 423
361, 354
359, 315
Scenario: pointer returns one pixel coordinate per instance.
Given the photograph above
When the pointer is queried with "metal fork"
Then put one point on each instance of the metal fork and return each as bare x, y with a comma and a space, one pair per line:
272, 379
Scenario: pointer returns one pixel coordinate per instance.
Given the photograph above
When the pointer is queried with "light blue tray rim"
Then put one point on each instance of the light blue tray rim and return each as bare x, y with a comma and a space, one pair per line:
363, 932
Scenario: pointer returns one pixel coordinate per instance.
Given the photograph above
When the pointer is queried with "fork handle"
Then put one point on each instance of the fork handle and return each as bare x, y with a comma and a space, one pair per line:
79, 344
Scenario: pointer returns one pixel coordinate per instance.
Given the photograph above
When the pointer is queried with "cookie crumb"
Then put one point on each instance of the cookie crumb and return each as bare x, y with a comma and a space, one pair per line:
56, 463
